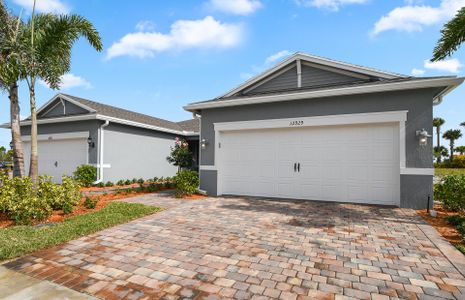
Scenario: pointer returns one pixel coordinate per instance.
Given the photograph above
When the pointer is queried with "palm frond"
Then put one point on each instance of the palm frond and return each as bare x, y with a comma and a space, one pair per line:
452, 36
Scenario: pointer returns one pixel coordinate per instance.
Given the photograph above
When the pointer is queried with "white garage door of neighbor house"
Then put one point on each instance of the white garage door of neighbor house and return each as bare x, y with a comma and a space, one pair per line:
59, 157
334, 163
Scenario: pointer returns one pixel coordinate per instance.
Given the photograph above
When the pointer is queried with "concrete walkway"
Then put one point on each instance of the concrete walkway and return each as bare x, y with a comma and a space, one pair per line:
14, 286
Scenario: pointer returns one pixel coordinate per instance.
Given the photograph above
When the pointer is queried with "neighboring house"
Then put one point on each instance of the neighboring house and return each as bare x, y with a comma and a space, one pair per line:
122, 144
318, 129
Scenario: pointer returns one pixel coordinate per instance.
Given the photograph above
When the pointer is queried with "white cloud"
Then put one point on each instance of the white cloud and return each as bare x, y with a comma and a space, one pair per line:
184, 34
417, 72
69, 81
329, 4
236, 7
145, 26
44, 6
449, 65
411, 18
274, 57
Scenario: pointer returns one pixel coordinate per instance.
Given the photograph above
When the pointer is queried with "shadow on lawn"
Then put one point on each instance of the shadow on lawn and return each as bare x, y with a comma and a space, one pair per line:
319, 214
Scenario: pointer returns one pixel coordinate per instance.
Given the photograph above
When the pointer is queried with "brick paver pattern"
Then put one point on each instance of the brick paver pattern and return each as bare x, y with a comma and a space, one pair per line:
246, 248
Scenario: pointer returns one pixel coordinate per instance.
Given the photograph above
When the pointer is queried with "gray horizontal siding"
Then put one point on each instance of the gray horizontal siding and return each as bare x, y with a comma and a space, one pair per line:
285, 81
312, 77
58, 111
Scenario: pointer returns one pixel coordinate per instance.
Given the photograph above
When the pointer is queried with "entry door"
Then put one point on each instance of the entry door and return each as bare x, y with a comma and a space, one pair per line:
333, 163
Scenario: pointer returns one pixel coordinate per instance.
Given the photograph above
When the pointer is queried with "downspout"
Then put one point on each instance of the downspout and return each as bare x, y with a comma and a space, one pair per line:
100, 150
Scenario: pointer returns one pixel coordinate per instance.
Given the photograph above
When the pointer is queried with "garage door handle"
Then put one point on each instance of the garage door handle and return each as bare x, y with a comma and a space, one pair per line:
295, 167
298, 167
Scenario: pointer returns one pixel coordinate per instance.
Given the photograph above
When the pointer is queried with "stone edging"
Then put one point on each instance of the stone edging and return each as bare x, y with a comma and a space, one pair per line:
456, 258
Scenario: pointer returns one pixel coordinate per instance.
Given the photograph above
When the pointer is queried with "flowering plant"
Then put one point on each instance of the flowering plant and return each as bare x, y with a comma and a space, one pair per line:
180, 155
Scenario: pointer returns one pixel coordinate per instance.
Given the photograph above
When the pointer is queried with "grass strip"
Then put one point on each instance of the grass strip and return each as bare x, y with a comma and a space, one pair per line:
19, 240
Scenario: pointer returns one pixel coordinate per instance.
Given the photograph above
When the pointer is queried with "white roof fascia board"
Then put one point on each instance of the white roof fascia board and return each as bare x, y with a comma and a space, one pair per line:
374, 88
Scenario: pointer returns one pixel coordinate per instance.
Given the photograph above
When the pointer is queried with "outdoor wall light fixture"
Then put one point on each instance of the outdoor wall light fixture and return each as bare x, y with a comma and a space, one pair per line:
11, 145
423, 136
90, 142
203, 143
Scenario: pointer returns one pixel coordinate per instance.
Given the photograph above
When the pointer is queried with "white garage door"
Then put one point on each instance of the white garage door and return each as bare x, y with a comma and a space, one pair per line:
333, 163
59, 157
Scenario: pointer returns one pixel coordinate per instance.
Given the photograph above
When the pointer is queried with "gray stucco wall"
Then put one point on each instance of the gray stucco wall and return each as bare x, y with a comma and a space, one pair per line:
420, 115
136, 153
91, 126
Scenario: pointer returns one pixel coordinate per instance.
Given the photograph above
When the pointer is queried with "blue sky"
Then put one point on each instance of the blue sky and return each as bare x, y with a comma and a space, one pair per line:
160, 55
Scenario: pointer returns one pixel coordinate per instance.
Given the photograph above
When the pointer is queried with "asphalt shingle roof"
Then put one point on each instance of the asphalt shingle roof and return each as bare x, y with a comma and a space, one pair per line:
120, 113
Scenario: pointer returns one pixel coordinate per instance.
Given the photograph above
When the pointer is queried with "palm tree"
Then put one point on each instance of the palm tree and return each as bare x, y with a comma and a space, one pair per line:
9, 75
460, 149
452, 135
440, 152
452, 36
48, 40
438, 122
462, 124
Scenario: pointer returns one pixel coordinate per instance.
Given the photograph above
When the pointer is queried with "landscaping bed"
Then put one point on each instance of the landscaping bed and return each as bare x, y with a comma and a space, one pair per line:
445, 228
19, 240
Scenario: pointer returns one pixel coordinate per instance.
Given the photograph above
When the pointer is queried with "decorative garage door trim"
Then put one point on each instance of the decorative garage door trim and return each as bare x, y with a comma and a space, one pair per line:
59, 136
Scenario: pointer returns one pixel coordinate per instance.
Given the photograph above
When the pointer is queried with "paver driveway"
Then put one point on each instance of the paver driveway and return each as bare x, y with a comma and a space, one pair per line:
254, 248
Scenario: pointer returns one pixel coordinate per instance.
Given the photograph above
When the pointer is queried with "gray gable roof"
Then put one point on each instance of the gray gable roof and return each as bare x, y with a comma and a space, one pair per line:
99, 110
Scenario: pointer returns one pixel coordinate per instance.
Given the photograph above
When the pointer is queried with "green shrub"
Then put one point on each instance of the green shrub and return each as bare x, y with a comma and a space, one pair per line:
127, 182
90, 203
155, 179
85, 175
457, 163
140, 181
100, 184
109, 184
19, 200
456, 220
187, 183
70, 194
451, 191
461, 248
120, 182
134, 180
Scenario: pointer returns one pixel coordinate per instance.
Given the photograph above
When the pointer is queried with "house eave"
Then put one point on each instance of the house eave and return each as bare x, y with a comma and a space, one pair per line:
450, 84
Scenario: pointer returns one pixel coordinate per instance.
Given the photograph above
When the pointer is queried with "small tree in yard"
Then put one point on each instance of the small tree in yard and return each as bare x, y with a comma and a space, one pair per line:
452, 135
460, 149
180, 155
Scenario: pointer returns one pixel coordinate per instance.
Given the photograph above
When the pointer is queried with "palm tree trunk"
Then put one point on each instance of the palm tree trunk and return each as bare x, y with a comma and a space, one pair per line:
34, 164
451, 151
438, 132
18, 153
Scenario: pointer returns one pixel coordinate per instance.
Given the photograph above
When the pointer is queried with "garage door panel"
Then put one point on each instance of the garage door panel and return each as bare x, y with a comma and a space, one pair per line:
357, 163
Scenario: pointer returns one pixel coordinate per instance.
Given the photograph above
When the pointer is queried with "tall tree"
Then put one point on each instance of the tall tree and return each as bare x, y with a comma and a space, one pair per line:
10, 28
440, 152
437, 123
49, 40
460, 149
462, 124
452, 36
452, 135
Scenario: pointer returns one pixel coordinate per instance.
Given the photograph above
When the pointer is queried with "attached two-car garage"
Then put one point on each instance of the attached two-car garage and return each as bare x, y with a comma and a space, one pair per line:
348, 163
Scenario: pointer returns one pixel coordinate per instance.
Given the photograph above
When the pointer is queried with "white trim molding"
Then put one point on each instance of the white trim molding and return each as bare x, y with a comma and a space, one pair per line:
106, 166
417, 171
450, 82
59, 136
207, 168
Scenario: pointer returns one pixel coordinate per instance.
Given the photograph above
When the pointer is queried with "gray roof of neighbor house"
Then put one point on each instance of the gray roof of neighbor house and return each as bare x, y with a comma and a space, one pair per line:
120, 113
104, 111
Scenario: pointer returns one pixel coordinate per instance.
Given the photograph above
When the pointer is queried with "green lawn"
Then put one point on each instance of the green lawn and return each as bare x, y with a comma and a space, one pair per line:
18, 240
444, 172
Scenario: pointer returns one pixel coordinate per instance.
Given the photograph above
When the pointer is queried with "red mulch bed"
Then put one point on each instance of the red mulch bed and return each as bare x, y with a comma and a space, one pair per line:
80, 209
447, 230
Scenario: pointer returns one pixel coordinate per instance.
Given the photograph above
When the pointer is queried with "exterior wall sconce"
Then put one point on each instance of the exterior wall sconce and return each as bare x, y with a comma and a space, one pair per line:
11, 145
90, 142
203, 143
423, 136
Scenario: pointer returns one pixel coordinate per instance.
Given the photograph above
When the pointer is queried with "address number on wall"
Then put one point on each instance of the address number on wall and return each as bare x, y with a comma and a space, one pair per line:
296, 123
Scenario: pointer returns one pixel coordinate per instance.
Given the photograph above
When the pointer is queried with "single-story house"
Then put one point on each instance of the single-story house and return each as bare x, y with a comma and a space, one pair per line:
122, 144
319, 129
